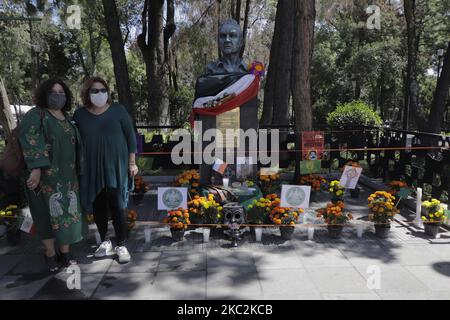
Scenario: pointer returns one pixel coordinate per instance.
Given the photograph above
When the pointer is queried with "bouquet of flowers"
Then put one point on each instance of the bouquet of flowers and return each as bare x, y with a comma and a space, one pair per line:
269, 183
334, 214
317, 182
258, 211
433, 212
382, 207
285, 216
178, 219
336, 189
205, 210
190, 180
9, 216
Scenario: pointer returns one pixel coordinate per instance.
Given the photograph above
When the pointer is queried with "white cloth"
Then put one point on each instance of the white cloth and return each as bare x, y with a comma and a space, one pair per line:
237, 88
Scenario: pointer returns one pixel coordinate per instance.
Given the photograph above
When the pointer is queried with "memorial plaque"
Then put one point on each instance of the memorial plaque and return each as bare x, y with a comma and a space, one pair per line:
228, 120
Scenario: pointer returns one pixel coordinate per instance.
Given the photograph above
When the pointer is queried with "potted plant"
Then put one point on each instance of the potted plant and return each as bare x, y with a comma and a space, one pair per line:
432, 216
315, 181
269, 183
285, 218
257, 214
337, 192
382, 211
189, 179
335, 218
178, 221
205, 210
9, 218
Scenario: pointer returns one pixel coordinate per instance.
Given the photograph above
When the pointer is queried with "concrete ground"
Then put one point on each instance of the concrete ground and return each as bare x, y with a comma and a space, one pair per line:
409, 265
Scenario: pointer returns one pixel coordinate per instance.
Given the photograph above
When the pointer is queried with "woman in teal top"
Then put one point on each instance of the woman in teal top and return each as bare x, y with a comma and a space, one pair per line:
52, 150
109, 142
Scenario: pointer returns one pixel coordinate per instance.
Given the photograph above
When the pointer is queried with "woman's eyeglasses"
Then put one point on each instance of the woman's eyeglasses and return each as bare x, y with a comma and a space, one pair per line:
95, 91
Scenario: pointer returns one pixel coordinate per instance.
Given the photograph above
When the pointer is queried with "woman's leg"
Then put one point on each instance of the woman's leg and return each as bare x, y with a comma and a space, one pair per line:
119, 217
49, 245
101, 214
64, 248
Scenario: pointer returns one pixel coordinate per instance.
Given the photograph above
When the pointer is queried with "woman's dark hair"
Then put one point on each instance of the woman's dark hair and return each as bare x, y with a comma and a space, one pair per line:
40, 96
85, 91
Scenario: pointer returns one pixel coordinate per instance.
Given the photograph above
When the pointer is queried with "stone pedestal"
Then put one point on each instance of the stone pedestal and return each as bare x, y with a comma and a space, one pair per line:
248, 120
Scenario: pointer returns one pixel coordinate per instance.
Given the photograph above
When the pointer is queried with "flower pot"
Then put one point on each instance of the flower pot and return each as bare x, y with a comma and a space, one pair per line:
177, 235
335, 231
354, 193
432, 229
313, 196
335, 199
13, 236
286, 232
382, 230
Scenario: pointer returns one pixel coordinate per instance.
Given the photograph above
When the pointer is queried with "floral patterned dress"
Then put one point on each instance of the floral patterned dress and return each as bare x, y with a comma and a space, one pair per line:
54, 146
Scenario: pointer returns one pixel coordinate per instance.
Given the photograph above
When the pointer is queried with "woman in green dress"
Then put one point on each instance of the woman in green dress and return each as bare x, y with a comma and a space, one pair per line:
52, 150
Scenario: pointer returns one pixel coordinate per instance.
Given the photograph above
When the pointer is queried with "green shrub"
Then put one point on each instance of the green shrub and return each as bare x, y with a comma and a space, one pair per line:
354, 114
180, 105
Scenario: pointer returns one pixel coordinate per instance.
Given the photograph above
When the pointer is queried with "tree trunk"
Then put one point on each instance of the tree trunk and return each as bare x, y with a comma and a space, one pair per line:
269, 89
237, 13
151, 42
118, 55
282, 92
440, 96
412, 85
6, 117
245, 27
305, 14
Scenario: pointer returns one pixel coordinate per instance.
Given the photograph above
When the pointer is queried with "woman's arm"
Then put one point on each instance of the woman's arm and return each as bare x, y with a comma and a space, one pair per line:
130, 135
34, 147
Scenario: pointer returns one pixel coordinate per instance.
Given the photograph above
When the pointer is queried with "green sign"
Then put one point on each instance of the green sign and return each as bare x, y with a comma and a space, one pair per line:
404, 193
310, 166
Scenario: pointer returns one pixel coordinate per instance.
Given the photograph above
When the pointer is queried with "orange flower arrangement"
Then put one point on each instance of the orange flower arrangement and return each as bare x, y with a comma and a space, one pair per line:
396, 185
314, 180
269, 183
178, 219
140, 186
131, 219
189, 179
279, 215
334, 213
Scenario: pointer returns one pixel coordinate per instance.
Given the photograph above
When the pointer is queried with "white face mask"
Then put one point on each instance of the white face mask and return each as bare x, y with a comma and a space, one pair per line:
99, 99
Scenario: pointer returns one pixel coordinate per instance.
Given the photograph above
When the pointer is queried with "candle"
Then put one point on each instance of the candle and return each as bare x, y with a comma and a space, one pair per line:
419, 207
225, 182
148, 235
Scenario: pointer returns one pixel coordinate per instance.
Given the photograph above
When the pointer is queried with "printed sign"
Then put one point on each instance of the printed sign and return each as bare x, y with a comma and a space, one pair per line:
295, 196
404, 193
312, 145
350, 177
244, 167
172, 198
310, 166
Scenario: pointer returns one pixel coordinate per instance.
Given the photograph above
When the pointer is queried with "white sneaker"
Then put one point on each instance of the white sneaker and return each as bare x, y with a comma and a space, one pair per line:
123, 254
105, 249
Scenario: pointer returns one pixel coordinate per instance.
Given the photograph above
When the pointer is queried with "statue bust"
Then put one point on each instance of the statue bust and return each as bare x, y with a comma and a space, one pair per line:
230, 45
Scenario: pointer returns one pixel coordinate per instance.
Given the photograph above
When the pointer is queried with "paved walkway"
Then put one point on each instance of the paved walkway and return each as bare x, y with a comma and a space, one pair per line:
410, 266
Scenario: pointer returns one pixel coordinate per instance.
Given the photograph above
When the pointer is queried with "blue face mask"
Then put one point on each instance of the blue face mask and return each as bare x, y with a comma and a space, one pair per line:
56, 101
